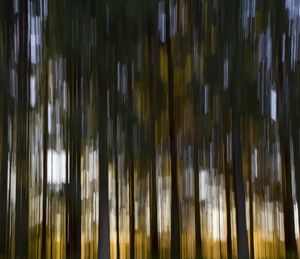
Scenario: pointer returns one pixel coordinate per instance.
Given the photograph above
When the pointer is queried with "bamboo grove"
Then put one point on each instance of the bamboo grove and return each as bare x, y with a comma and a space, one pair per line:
149, 129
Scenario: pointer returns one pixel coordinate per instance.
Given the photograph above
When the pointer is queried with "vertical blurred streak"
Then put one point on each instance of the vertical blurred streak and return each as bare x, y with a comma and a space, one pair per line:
195, 95
296, 147
131, 162
45, 155
21, 224
5, 12
153, 196
74, 195
239, 187
227, 171
115, 155
68, 163
196, 187
175, 227
235, 95
284, 132
289, 227
9, 216
227, 195
78, 162
251, 223
103, 230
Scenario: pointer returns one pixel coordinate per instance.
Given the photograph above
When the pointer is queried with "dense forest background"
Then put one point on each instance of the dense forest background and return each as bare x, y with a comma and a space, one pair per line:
149, 129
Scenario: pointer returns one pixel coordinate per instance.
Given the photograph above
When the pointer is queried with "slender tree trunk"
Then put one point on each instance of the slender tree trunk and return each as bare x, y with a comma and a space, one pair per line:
115, 135
45, 154
8, 234
78, 137
103, 231
251, 211
75, 165
197, 204
21, 221
239, 187
228, 203
153, 196
196, 133
284, 133
175, 227
7, 23
131, 164
71, 187
238, 181
69, 161
288, 205
296, 149
3, 173
4, 155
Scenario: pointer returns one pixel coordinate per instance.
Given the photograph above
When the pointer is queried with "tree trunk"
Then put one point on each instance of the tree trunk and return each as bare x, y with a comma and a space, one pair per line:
153, 196
175, 227
4, 151
297, 164
251, 212
45, 151
288, 205
103, 230
239, 187
21, 220
115, 143
197, 202
131, 163
74, 195
196, 133
3, 173
228, 203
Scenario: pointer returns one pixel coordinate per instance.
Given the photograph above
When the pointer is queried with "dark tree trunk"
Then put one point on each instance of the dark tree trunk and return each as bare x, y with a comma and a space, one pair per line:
175, 227
78, 135
103, 231
45, 156
4, 142
74, 202
284, 132
153, 195
116, 150
21, 220
196, 133
297, 163
288, 205
3, 173
131, 163
239, 187
228, 203
251, 213
235, 94
197, 202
